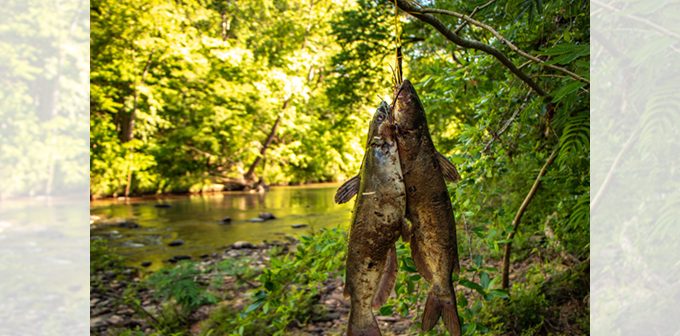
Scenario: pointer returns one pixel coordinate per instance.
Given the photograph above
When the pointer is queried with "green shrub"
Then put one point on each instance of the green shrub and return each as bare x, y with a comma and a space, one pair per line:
288, 288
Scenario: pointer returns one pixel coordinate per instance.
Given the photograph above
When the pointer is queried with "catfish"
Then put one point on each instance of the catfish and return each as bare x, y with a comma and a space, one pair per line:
432, 234
432, 238
376, 225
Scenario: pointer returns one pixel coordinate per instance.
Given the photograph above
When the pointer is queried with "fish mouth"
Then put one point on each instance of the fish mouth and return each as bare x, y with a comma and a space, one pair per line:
406, 109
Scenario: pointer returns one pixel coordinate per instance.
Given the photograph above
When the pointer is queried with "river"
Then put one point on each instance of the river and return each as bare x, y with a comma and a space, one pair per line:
197, 221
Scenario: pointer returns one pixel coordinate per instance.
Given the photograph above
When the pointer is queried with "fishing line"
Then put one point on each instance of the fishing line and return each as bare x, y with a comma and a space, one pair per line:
398, 42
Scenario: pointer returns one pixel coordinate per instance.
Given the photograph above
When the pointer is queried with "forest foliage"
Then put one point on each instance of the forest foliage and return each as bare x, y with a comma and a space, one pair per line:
184, 96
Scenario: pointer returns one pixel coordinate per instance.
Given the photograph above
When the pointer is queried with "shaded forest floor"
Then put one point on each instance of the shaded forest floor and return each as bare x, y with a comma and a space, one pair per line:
123, 303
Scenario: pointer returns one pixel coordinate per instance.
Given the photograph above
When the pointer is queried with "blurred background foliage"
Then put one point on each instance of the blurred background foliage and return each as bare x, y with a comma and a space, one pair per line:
184, 95
43, 73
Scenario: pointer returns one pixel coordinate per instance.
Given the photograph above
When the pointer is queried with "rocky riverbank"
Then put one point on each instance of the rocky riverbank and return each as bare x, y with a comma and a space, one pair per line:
120, 301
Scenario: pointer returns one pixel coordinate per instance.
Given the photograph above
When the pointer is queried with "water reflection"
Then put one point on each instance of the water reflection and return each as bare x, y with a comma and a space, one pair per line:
196, 219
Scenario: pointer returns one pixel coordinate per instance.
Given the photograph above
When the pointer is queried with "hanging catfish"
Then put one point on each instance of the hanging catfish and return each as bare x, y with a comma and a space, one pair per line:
433, 232
432, 235
376, 225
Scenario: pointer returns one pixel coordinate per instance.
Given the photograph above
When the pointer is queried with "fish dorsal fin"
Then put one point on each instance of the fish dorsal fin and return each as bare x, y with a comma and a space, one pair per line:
448, 169
387, 280
347, 190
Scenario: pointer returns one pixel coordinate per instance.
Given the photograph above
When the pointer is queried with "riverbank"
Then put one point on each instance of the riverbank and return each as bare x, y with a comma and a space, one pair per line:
124, 301
211, 190
296, 287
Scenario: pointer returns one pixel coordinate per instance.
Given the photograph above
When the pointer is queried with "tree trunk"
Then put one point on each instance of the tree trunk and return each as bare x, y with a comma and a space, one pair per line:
249, 176
225, 25
515, 222
128, 122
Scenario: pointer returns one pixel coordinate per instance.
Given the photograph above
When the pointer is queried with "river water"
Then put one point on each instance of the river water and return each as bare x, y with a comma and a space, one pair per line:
196, 219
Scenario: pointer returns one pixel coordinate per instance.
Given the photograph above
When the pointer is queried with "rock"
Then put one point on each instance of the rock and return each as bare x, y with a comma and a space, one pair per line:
242, 245
177, 242
256, 219
226, 220
146, 263
299, 226
128, 224
267, 216
177, 258
115, 320
162, 206
132, 244
205, 256
99, 321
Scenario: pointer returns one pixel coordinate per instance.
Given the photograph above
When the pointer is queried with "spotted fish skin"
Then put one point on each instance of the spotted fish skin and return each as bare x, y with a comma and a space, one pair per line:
432, 234
376, 224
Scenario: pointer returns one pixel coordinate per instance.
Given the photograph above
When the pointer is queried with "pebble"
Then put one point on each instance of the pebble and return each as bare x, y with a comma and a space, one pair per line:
299, 226
128, 225
242, 245
162, 206
226, 220
115, 320
177, 242
99, 321
146, 263
267, 216
256, 220
177, 258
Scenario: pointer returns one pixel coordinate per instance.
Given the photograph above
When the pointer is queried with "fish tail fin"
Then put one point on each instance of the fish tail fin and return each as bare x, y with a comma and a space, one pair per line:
446, 308
387, 280
373, 330
369, 330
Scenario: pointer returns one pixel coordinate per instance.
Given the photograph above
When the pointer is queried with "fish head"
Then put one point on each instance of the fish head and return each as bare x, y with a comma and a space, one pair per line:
408, 111
381, 125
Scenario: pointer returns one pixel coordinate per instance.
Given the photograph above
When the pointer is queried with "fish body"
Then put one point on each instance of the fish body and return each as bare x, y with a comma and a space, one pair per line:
432, 234
376, 225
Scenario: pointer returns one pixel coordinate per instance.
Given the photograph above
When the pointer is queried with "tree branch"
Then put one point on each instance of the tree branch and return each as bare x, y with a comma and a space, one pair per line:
410, 8
474, 11
518, 217
249, 176
504, 40
507, 124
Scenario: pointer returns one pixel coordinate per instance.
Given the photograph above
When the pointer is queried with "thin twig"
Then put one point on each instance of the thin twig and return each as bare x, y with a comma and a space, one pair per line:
474, 11
507, 124
410, 8
515, 222
504, 40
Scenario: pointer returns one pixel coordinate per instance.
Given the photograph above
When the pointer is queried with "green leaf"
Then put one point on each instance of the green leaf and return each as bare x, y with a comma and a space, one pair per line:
472, 285
497, 293
565, 90
484, 280
386, 310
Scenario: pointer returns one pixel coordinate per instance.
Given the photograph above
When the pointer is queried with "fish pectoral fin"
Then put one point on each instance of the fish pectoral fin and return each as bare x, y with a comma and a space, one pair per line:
347, 190
448, 169
387, 280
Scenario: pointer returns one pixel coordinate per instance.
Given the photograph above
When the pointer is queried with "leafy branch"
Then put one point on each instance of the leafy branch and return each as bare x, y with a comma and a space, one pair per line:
420, 14
504, 40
